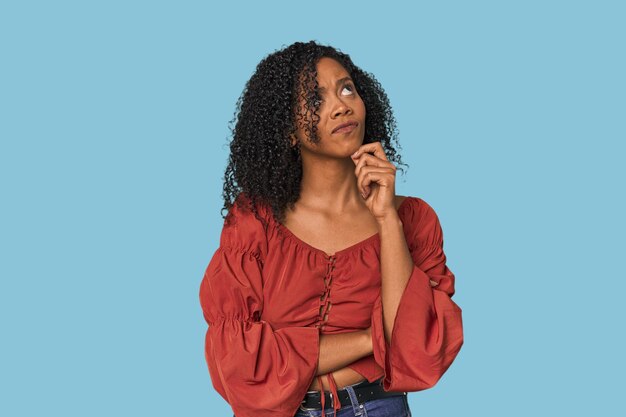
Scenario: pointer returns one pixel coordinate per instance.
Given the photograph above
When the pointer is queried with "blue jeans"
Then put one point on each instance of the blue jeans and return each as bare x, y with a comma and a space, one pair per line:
396, 406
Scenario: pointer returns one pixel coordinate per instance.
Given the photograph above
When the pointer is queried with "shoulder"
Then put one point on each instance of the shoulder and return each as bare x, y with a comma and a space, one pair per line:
414, 206
244, 229
420, 221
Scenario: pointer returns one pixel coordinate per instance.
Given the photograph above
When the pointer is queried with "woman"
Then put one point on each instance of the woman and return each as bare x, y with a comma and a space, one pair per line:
328, 292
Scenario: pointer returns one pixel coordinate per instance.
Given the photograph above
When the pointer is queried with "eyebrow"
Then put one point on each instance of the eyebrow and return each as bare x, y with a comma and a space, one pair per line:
321, 89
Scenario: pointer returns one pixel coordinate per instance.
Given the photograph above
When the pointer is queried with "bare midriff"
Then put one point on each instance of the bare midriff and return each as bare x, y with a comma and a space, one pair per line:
343, 377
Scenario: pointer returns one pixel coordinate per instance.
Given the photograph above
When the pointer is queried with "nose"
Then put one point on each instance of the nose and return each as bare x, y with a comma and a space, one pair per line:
341, 109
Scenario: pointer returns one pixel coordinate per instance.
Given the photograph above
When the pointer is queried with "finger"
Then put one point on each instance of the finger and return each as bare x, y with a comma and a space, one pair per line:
366, 177
369, 175
386, 168
370, 160
375, 147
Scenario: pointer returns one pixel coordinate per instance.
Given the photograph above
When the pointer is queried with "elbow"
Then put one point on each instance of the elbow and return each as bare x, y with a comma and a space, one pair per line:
428, 368
442, 362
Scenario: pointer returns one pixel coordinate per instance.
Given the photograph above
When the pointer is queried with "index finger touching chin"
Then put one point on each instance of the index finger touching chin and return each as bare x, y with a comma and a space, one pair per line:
375, 147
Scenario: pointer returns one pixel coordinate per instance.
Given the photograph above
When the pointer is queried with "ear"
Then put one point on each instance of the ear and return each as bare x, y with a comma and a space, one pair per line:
294, 140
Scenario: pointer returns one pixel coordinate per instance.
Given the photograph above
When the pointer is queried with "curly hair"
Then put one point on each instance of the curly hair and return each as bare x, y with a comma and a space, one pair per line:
263, 166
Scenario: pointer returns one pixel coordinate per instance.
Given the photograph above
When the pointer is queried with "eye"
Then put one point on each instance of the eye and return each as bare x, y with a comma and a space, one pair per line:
349, 87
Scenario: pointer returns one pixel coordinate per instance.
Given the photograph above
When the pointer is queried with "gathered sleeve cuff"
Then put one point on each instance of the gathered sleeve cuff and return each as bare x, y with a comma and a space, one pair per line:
428, 331
258, 370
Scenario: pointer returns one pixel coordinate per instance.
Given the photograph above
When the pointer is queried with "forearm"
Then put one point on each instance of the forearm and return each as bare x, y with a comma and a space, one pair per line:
339, 350
396, 266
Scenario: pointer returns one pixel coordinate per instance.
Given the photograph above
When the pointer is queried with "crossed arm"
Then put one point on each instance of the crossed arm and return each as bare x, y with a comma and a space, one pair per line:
337, 351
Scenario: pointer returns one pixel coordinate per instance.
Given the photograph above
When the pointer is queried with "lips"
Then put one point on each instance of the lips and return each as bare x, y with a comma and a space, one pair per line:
349, 125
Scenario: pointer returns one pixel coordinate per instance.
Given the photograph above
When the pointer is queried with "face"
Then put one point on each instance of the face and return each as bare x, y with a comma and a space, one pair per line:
340, 104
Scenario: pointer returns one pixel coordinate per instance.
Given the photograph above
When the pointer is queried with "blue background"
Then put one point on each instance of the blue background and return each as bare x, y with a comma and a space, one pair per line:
113, 121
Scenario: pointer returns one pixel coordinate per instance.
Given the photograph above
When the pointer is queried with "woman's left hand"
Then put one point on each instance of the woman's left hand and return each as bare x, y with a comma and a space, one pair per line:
376, 180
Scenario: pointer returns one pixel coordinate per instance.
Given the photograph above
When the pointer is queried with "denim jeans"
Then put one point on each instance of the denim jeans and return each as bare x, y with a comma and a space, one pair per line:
396, 406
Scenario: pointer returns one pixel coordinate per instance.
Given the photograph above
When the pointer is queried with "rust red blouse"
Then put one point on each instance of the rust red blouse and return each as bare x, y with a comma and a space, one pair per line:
265, 296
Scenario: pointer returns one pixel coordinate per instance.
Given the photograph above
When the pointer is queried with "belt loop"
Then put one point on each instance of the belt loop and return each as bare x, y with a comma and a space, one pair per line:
356, 406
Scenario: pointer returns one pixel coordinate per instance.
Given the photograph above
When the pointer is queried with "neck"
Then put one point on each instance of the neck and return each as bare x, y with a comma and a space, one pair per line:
329, 184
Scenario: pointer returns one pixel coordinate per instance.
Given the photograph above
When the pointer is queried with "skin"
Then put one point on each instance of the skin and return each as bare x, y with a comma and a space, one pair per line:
345, 198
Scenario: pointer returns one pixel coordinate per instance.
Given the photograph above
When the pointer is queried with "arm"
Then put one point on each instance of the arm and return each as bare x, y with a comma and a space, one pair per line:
396, 266
344, 375
417, 329
258, 370
340, 350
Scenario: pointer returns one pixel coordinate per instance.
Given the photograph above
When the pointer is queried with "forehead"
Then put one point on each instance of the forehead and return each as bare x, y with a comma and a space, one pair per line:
329, 70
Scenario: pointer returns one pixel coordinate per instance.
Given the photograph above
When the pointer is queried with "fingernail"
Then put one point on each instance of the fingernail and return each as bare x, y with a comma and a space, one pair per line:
355, 153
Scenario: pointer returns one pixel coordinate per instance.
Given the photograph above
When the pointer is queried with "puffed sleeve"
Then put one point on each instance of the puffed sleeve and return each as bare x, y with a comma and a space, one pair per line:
428, 330
259, 371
